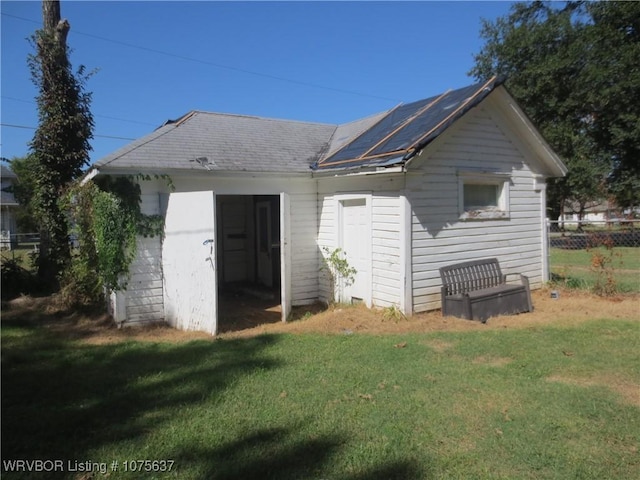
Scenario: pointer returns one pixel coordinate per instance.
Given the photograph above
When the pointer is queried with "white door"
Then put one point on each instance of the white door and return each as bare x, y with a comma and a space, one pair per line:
189, 262
263, 243
356, 246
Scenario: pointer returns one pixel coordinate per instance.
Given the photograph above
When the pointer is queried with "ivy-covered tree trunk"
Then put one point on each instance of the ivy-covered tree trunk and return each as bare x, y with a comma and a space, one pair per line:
60, 146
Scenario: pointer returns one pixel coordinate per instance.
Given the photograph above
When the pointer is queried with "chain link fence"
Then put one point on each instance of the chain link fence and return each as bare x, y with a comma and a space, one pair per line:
602, 256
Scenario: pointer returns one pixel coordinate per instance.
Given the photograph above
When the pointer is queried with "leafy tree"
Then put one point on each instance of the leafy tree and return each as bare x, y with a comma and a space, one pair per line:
613, 77
60, 146
573, 68
23, 189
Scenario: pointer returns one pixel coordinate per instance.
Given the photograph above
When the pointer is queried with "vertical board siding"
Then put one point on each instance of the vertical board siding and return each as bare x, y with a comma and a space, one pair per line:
439, 238
144, 301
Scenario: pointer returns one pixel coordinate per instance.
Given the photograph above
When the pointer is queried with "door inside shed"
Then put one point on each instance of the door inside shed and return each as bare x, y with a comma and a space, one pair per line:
248, 260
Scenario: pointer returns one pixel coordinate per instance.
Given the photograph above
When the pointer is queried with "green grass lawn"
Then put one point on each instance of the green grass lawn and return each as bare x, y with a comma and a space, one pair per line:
537, 403
574, 267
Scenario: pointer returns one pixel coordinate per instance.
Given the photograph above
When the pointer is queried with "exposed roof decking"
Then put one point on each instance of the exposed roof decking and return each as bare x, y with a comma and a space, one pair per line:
408, 127
348, 132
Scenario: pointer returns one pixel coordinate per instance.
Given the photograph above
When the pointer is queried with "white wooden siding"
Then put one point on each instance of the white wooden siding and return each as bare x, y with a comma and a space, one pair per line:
439, 238
482, 139
144, 297
386, 280
326, 239
385, 249
304, 256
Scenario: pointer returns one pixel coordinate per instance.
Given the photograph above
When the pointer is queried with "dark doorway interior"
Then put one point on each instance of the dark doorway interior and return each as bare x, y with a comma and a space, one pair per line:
248, 260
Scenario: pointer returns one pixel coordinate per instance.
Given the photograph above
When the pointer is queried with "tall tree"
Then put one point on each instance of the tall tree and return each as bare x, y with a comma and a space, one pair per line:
60, 146
613, 77
573, 67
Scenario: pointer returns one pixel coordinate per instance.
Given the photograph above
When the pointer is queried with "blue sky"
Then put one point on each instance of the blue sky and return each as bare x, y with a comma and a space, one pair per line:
328, 62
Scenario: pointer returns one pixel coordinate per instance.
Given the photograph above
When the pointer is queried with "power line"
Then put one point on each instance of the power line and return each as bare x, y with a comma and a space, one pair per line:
95, 114
218, 65
11, 125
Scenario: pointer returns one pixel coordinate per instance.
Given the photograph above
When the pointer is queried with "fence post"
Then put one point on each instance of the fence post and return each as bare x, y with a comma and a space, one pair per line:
546, 269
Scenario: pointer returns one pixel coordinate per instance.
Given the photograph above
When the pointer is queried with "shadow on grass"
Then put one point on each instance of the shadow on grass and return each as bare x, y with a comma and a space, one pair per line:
276, 454
62, 399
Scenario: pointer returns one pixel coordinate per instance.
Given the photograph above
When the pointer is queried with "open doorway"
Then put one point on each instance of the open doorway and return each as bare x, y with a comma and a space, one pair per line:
248, 260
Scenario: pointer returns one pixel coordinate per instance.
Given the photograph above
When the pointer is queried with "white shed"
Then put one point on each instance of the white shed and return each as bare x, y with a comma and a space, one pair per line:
455, 177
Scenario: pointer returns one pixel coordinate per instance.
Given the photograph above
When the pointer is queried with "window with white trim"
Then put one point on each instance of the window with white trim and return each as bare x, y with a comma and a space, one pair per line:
483, 196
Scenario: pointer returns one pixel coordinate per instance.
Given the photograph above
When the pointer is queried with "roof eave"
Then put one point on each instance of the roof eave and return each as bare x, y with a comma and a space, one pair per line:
357, 171
181, 172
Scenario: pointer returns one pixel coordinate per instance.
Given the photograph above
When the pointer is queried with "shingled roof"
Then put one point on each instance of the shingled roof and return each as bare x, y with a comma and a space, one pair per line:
227, 142
238, 143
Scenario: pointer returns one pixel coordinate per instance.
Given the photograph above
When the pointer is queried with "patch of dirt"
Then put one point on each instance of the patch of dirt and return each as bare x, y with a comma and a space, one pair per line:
570, 308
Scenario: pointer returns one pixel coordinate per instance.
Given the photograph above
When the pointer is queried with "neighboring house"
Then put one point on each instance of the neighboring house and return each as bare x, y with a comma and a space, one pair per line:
455, 177
597, 211
8, 206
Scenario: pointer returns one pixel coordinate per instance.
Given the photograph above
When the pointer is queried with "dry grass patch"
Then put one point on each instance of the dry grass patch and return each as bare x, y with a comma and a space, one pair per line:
627, 390
492, 361
571, 308
439, 345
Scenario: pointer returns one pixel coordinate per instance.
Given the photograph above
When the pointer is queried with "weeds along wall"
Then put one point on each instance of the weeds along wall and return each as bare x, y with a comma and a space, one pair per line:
106, 221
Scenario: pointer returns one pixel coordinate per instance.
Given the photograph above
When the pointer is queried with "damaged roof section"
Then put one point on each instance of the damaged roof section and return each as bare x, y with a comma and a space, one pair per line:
241, 143
406, 129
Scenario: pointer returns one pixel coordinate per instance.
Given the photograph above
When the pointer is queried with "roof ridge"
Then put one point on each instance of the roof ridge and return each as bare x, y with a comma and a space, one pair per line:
257, 117
371, 116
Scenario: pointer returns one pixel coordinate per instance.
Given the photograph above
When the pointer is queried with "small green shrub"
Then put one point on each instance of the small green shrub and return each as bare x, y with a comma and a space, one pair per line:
338, 268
